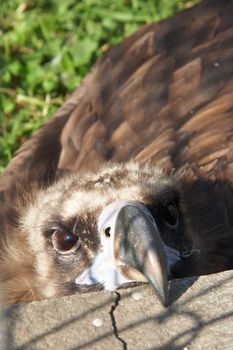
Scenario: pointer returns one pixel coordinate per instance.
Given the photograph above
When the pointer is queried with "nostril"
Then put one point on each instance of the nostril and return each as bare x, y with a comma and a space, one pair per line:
107, 231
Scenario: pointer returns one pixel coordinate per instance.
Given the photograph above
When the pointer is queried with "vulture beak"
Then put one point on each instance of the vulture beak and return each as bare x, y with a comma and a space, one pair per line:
131, 250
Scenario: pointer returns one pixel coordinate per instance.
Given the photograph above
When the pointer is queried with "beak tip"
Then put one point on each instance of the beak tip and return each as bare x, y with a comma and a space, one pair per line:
165, 301
163, 295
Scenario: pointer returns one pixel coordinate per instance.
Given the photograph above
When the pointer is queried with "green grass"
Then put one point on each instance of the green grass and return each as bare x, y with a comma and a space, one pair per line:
48, 46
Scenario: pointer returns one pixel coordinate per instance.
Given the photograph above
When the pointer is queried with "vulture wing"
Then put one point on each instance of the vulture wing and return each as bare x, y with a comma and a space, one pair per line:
163, 96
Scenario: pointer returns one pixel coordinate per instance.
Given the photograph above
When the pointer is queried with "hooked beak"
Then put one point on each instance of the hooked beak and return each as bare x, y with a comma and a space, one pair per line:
131, 250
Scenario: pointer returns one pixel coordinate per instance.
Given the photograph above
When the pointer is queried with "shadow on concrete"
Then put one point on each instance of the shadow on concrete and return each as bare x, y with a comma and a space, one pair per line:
183, 337
179, 287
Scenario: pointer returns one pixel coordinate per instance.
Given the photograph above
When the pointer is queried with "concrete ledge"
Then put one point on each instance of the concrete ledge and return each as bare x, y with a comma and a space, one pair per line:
201, 317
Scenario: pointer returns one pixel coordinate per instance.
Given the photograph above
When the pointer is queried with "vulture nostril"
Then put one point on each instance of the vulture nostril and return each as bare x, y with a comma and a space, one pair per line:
107, 231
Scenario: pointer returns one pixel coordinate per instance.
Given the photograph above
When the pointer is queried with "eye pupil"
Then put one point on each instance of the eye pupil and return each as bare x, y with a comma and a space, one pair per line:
64, 241
69, 238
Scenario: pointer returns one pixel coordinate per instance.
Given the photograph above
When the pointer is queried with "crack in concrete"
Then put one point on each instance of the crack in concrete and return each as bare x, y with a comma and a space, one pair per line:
114, 324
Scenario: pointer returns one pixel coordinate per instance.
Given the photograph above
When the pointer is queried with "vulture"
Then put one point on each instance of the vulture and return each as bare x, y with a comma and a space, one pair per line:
131, 180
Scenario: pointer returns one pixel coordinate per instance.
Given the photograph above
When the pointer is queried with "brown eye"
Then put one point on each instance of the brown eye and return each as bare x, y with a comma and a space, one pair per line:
170, 215
64, 241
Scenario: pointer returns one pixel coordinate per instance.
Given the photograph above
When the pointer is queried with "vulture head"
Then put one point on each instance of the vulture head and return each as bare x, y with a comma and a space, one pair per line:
105, 230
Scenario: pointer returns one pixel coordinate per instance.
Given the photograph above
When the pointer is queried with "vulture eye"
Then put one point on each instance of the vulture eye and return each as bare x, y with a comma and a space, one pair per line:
64, 241
170, 215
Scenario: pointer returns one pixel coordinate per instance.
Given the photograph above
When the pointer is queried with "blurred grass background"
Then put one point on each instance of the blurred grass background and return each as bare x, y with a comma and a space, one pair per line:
48, 46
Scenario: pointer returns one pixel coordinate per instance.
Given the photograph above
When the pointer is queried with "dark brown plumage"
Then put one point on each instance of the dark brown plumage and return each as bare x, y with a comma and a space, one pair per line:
163, 97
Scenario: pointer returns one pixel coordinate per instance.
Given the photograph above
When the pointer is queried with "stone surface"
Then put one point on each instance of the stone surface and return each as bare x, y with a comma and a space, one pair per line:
200, 317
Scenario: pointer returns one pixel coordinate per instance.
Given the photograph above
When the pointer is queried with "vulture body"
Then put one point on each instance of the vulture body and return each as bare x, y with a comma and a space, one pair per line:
159, 106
